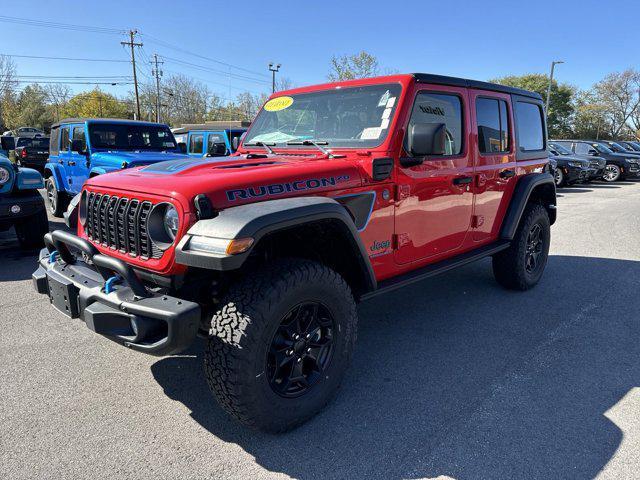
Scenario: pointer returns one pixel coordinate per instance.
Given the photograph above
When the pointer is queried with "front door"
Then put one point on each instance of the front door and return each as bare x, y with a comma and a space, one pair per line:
494, 160
434, 200
64, 158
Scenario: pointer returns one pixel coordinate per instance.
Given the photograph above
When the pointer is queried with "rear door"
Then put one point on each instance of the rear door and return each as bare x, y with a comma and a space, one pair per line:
64, 157
495, 163
79, 163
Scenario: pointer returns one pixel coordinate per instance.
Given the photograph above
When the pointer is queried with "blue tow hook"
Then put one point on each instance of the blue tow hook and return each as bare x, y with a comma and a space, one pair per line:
111, 281
52, 256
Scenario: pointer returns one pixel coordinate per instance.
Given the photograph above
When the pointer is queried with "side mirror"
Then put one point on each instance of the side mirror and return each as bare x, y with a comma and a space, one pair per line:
427, 139
78, 146
182, 147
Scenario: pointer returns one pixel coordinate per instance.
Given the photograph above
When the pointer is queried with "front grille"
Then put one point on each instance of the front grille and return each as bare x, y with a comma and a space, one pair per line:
121, 224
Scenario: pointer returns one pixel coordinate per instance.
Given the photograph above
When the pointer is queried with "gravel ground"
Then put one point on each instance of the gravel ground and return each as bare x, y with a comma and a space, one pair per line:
452, 377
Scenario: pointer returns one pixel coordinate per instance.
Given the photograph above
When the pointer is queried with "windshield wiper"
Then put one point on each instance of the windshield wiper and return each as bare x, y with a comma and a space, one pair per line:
266, 146
316, 143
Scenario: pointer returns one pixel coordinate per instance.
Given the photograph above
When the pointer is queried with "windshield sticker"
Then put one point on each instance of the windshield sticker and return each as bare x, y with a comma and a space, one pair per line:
277, 104
371, 133
384, 124
274, 137
384, 99
386, 113
391, 102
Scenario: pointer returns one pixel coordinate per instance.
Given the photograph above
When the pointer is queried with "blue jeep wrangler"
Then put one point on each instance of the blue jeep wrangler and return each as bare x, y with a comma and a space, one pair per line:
207, 140
21, 206
82, 148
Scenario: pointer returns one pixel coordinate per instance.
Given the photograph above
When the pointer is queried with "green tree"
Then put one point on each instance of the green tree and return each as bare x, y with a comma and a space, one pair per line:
96, 103
561, 106
30, 108
348, 67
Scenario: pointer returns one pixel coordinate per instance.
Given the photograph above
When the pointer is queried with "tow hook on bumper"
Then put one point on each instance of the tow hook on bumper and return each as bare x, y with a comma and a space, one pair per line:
107, 295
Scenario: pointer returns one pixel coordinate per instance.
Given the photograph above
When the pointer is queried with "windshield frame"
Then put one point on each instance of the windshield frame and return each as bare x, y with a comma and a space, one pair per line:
396, 108
162, 127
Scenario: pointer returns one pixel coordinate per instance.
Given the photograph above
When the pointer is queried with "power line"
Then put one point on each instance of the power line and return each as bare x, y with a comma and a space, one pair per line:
65, 58
236, 76
215, 83
48, 82
62, 26
179, 49
71, 77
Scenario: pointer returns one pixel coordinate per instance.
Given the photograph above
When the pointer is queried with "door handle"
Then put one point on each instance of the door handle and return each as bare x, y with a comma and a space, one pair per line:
72, 163
462, 180
507, 173
61, 162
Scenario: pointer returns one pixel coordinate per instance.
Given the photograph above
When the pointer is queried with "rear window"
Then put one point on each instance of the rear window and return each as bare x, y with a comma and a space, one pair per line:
41, 143
493, 125
53, 142
196, 143
529, 121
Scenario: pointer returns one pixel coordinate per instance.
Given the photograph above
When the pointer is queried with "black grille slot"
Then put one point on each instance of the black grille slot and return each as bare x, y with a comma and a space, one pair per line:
121, 224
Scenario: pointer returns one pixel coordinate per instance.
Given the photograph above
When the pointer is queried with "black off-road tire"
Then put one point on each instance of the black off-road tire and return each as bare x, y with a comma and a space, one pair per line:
31, 230
242, 331
510, 265
56, 201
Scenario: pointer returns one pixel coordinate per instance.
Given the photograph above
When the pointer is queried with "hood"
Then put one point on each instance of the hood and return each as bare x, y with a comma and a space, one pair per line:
229, 181
134, 158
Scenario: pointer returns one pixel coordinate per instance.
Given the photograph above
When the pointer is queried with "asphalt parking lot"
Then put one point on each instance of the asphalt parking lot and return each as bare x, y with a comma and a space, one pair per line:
452, 377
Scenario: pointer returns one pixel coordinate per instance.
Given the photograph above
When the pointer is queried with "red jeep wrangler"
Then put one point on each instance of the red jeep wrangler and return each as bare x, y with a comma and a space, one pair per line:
339, 192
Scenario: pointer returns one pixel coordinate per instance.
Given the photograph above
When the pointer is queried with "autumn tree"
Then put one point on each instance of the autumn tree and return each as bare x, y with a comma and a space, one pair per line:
348, 67
619, 94
561, 107
96, 103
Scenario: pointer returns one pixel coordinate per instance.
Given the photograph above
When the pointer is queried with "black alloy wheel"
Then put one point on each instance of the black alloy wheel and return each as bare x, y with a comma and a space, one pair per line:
535, 247
301, 349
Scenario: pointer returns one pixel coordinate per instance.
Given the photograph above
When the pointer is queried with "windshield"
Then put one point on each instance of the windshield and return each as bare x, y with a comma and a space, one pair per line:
616, 147
341, 117
601, 148
131, 137
560, 149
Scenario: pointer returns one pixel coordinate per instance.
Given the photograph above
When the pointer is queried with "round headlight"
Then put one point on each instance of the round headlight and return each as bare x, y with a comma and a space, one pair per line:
5, 175
171, 221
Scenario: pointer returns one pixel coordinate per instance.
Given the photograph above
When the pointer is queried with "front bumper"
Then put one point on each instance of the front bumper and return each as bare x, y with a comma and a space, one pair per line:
633, 170
107, 295
20, 206
575, 175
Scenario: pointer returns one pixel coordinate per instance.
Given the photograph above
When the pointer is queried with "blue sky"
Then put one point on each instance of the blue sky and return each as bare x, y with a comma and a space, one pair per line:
471, 39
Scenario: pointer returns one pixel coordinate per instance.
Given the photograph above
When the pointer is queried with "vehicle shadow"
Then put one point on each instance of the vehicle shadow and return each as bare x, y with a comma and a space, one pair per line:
19, 264
574, 190
454, 376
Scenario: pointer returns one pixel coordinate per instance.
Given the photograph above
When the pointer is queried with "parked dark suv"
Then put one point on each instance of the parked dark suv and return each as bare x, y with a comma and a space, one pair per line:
630, 146
619, 166
596, 164
569, 169
32, 152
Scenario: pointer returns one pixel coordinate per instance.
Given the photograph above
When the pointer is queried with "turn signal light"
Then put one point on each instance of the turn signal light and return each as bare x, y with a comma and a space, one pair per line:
240, 245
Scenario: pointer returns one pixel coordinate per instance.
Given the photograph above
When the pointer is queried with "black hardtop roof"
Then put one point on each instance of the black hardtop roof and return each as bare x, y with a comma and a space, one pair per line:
206, 128
103, 120
464, 82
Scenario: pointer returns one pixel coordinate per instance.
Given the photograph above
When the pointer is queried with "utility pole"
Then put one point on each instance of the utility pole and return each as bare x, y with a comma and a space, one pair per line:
156, 72
553, 66
131, 43
273, 69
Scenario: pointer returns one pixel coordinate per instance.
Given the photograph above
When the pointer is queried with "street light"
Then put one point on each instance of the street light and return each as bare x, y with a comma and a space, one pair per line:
273, 69
553, 66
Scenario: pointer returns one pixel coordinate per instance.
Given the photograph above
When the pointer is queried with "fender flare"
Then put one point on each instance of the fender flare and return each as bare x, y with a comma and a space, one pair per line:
540, 186
54, 170
98, 171
257, 220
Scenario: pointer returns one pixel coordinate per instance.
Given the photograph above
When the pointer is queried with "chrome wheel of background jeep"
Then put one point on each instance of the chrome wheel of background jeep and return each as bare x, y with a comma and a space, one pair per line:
611, 173
52, 195
535, 244
301, 349
559, 177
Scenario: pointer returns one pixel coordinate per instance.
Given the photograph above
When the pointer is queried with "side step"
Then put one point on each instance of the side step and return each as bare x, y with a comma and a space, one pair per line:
422, 273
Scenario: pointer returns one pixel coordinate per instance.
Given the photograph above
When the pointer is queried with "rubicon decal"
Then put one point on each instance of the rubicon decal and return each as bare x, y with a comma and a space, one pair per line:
282, 188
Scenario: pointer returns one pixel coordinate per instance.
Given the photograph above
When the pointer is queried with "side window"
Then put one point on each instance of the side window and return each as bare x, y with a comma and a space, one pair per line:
493, 125
196, 143
64, 139
53, 142
216, 145
582, 148
78, 134
440, 108
530, 126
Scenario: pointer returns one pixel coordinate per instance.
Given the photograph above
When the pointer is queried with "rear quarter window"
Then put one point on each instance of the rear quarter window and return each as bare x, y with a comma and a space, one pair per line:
530, 125
53, 142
